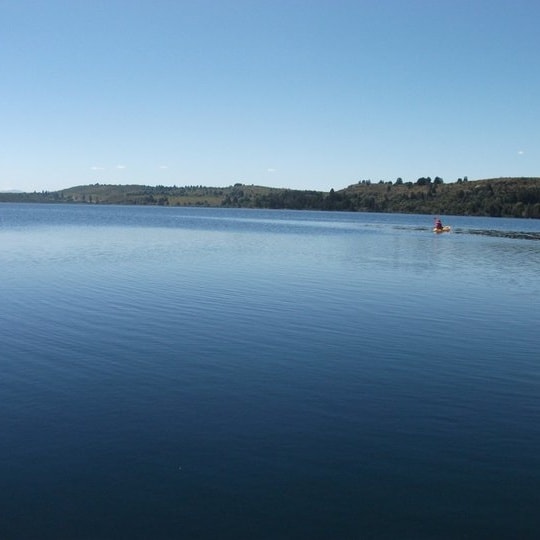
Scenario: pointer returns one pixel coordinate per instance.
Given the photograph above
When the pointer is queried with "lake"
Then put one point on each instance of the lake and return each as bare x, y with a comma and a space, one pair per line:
226, 374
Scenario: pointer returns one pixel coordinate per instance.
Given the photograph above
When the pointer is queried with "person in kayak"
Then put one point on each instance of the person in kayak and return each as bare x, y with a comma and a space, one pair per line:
438, 224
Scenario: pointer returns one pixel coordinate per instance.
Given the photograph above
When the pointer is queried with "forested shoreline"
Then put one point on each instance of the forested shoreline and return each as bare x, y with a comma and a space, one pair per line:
499, 197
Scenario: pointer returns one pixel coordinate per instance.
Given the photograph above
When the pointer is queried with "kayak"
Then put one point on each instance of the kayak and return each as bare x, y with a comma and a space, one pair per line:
446, 228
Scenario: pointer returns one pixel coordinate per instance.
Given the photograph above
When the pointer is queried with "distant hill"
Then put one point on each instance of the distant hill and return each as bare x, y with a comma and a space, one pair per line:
497, 197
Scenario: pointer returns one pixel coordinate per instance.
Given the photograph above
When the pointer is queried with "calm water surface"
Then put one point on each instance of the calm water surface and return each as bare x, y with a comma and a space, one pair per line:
204, 373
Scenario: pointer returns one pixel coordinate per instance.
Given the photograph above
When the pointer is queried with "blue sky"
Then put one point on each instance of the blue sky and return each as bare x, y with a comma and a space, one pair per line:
285, 93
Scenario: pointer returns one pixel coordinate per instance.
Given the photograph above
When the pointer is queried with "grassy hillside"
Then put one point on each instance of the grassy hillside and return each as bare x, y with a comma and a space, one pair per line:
512, 197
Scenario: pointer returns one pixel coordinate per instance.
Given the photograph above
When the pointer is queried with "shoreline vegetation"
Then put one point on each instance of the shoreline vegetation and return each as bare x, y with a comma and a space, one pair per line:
497, 197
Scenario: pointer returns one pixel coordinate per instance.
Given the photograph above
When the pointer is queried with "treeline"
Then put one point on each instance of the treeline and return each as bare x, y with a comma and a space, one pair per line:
501, 197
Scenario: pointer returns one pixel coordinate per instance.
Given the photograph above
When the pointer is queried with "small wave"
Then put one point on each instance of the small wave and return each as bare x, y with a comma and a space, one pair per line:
517, 235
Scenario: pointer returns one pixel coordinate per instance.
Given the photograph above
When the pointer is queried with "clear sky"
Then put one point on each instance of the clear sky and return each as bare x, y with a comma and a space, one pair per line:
307, 94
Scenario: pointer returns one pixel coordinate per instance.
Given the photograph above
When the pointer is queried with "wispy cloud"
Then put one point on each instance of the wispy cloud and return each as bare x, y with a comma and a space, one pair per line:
520, 152
96, 168
120, 166
163, 167
270, 170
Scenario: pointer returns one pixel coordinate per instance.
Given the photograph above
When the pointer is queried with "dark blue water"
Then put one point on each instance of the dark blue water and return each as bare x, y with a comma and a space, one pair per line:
199, 373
